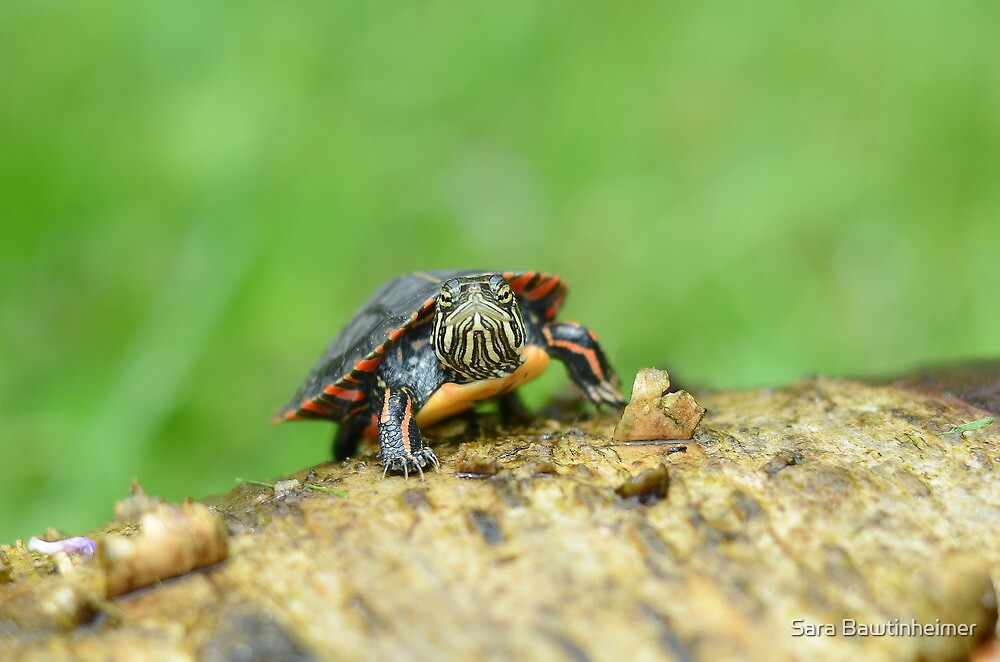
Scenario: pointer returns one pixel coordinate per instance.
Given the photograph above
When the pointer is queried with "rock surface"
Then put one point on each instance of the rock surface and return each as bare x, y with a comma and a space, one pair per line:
822, 501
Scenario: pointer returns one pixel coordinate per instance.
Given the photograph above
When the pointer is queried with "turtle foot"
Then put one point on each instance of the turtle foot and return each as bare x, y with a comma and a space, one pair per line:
405, 463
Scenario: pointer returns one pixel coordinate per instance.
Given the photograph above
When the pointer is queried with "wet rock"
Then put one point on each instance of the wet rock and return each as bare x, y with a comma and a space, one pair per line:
252, 637
822, 501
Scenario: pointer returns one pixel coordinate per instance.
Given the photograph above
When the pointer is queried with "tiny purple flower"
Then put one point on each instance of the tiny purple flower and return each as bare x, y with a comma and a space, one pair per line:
76, 545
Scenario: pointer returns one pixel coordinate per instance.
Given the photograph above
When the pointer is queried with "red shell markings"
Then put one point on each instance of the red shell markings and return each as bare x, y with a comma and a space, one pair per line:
347, 394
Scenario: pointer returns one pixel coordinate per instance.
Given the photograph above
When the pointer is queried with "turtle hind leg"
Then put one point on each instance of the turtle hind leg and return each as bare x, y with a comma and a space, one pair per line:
577, 347
401, 446
348, 437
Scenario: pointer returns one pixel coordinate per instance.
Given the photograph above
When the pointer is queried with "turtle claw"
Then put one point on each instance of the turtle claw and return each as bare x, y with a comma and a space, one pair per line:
408, 462
603, 394
606, 394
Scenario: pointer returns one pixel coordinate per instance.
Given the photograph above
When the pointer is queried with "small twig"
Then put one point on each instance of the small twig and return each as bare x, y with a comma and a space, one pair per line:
255, 482
974, 425
340, 493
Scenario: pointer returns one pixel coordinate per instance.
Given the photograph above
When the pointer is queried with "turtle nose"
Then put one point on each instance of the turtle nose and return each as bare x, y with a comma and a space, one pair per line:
475, 294
476, 306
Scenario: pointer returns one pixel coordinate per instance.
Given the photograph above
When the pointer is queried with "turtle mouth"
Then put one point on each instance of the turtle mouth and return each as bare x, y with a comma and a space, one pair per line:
479, 310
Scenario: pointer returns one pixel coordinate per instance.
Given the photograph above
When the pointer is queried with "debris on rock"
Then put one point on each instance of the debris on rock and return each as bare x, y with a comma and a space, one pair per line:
74, 545
654, 413
470, 464
649, 487
978, 424
36, 606
172, 540
285, 487
55, 585
4, 568
136, 504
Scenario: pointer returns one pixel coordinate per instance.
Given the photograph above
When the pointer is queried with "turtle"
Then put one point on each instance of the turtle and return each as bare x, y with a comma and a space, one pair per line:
430, 344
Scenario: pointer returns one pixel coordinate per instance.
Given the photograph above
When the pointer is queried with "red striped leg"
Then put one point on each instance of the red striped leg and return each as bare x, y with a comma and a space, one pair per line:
400, 442
577, 347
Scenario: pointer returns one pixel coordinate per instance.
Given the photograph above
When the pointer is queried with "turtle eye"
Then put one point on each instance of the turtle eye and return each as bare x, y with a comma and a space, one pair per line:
504, 295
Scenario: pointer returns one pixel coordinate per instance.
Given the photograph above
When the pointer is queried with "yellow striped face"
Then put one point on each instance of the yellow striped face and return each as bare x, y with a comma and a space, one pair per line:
478, 329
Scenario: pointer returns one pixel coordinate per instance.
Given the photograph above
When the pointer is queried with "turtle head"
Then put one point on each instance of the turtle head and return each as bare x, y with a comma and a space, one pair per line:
478, 328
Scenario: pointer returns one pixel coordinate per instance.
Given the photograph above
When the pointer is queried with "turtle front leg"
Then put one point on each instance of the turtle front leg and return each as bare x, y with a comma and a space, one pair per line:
401, 446
512, 410
577, 347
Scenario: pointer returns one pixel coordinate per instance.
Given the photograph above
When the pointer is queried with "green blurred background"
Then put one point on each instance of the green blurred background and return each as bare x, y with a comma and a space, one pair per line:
195, 196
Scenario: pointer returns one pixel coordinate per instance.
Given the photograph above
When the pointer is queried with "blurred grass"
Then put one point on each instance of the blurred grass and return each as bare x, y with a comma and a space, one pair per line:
195, 196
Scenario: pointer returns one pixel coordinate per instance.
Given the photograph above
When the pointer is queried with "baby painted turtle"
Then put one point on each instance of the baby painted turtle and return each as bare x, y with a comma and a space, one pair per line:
428, 345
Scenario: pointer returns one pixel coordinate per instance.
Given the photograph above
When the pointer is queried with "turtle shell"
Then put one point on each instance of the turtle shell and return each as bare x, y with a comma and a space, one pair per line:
339, 383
